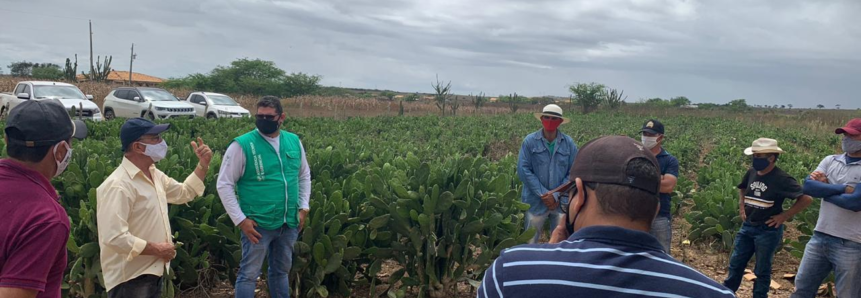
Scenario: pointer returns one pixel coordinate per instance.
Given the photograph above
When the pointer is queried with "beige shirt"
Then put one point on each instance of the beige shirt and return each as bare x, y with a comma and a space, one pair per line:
131, 211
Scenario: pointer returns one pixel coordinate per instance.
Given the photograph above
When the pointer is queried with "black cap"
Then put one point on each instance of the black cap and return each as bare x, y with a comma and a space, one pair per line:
43, 123
135, 128
653, 126
605, 160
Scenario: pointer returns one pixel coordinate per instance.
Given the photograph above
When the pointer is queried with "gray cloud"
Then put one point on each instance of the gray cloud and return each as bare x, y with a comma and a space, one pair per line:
770, 52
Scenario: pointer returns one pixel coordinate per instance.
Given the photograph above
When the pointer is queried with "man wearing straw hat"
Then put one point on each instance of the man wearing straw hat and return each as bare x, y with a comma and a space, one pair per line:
761, 194
543, 164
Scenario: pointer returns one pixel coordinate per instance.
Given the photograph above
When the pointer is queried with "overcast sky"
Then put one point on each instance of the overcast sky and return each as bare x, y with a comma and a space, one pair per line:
768, 52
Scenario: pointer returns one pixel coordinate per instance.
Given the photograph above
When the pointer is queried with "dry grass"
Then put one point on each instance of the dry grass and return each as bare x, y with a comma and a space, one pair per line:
308, 105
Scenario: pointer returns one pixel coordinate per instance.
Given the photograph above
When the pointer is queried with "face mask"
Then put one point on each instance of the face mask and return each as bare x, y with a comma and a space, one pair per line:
551, 125
569, 225
760, 164
157, 151
267, 126
649, 142
851, 146
61, 165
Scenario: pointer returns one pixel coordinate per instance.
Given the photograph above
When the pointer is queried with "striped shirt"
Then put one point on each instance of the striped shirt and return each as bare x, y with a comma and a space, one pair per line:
598, 261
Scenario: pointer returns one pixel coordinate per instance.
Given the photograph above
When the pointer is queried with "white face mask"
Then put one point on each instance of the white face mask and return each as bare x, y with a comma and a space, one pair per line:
156, 151
62, 165
649, 142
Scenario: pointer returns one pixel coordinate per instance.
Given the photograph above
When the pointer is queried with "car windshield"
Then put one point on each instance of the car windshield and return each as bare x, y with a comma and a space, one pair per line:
157, 95
222, 100
57, 92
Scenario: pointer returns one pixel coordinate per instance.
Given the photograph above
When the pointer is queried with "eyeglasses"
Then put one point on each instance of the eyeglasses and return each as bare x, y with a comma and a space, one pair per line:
550, 118
266, 117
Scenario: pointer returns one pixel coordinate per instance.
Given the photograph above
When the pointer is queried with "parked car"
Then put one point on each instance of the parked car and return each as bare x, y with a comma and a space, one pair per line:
69, 95
152, 103
215, 105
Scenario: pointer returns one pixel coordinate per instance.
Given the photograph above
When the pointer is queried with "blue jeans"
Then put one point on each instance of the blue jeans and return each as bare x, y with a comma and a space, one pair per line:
662, 229
751, 240
823, 254
277, 245
538, 221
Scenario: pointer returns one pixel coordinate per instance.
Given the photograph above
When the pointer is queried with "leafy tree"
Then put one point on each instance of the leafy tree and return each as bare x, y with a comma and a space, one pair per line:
680, 101
820, 106
296, 84
388, 95
412, 97
47, 71
738, 104
587, 96
790, 106
249, 76
21, 68
837, 106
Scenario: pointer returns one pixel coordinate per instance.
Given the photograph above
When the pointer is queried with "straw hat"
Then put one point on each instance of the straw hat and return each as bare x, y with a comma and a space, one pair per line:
763, 145
553, 111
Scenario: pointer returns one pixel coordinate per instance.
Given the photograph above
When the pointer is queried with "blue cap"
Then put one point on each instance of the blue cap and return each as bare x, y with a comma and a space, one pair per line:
135, 128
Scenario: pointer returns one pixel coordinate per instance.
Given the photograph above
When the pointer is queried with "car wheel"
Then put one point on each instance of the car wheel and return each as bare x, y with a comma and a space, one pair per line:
109, 115
211, 116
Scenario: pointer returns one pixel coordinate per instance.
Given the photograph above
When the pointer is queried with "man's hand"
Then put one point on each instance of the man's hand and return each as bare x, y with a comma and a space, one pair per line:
819, 176
549, 200
742, 213
164, 250
850, 189
560, 233
777, 220
247, 227
204, 154
303, 215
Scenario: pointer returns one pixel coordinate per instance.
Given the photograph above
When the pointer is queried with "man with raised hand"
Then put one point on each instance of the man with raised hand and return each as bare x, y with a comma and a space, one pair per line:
34, 228
543, 163
265, 186
132, 215
836, 241
603, 247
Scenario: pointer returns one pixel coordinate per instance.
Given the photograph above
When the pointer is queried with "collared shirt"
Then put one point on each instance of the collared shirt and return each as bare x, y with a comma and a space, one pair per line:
132, 211
669, 166
598, 261
33, 232
833, 220
233, 167
541, 169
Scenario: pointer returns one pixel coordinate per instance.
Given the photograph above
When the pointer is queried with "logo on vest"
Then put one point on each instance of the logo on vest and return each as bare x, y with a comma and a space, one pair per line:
758, 188
258, 163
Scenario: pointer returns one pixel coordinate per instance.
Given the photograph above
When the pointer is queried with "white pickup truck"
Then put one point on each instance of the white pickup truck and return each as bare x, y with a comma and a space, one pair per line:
67, 94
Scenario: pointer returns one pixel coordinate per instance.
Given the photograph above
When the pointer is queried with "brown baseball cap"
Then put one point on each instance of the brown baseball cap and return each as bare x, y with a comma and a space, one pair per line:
605, 160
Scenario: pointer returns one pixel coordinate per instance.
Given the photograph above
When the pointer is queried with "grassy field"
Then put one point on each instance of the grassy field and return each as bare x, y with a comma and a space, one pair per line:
371, 170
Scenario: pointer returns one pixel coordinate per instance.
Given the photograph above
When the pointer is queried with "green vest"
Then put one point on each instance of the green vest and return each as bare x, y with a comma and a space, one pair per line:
268, 177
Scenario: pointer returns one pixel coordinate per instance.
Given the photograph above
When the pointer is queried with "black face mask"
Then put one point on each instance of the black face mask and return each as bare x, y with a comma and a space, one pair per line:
267, 126
569, 225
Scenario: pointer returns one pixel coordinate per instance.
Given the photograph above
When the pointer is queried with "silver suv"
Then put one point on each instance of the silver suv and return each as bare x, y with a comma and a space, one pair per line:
152, 103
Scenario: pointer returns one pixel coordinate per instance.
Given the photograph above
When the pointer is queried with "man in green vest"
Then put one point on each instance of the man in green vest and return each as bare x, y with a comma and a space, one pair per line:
265, 186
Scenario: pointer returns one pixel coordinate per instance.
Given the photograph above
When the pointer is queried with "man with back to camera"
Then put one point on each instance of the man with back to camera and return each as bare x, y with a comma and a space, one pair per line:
607, 249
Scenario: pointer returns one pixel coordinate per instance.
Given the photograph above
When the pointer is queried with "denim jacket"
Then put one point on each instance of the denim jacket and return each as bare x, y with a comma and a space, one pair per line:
540, 171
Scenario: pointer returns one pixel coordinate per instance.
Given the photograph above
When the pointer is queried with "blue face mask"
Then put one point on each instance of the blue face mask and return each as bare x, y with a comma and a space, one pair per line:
760, 164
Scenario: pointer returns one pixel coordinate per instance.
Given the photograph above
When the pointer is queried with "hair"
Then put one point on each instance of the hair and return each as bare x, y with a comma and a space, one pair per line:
270, 101
633, 203
24, 153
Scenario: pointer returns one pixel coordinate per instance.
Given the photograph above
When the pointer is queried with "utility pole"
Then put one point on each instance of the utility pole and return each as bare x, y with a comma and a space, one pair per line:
131, 62
92, 70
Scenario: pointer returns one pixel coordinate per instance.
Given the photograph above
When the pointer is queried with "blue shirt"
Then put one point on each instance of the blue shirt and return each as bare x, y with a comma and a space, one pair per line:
598, 261
669, 165
541, 170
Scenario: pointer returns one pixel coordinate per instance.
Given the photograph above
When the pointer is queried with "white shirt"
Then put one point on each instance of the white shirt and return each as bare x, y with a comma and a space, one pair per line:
233, 167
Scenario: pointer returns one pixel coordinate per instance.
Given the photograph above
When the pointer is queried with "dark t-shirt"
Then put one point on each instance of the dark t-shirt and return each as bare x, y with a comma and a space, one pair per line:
669, 165
764, 195
33, 231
